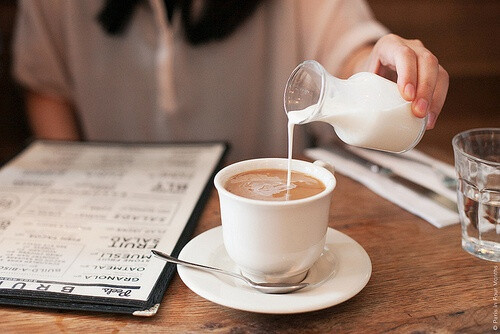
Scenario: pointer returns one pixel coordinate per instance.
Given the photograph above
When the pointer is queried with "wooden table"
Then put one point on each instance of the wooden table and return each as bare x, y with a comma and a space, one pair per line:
422, 282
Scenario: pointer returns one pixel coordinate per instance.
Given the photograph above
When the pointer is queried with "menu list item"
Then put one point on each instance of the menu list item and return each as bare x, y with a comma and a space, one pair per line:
78, 221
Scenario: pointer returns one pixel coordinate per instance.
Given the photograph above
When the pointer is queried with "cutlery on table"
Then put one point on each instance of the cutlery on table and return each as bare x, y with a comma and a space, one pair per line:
389, 173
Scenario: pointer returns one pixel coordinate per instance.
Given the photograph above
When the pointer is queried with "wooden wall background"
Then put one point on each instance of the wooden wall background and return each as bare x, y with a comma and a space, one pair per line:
464, 34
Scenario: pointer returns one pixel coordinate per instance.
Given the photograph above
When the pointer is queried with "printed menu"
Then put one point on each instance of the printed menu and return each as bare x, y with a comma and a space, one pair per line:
78, 221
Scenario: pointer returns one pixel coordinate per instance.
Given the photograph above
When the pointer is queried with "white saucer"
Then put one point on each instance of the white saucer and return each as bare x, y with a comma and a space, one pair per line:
342, 271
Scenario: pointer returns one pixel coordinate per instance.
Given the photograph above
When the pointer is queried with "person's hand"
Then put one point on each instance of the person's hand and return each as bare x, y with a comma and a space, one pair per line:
417, 72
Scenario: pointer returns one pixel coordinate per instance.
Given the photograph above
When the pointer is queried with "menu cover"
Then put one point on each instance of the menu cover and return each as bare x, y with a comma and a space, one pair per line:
78, 221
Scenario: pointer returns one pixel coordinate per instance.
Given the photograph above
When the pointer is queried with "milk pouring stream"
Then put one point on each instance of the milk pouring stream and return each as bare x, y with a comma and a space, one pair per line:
365, 110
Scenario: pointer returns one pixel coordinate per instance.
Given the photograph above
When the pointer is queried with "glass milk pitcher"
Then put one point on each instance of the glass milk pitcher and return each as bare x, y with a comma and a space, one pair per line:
365, 110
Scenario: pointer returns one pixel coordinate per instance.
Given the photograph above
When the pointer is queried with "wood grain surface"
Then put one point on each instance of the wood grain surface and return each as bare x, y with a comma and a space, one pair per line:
422, 282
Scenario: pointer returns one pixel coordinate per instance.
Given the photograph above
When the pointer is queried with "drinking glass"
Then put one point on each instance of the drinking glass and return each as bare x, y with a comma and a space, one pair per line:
477, 163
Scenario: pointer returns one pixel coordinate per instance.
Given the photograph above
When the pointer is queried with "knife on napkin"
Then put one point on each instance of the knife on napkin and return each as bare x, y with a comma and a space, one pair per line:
421, 206
390, 174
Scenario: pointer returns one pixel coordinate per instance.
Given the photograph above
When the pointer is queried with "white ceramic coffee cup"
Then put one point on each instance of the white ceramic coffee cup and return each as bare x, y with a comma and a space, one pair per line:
274, 241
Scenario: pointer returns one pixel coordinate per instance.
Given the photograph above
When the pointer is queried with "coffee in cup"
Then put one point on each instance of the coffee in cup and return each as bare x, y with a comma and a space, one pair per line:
274, 240
271, 185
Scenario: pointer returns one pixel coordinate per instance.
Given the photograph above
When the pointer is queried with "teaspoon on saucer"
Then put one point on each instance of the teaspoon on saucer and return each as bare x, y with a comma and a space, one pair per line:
262, 287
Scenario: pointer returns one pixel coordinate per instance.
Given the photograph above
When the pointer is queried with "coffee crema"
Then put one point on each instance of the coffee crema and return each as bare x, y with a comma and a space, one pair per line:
271, 185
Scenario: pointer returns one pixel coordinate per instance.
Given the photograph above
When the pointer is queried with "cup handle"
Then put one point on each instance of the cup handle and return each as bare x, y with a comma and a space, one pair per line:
325, 165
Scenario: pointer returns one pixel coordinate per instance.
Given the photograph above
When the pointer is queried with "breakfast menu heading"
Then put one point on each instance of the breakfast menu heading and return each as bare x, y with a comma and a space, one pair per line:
81, 218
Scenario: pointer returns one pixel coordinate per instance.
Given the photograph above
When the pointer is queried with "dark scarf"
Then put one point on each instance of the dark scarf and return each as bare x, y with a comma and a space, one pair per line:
219, 18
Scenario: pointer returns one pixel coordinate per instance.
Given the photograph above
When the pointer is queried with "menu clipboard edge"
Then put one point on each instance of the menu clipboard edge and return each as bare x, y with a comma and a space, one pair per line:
152, 304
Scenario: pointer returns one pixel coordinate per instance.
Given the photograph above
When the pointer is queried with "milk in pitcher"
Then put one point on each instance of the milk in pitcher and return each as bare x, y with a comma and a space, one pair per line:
365, 110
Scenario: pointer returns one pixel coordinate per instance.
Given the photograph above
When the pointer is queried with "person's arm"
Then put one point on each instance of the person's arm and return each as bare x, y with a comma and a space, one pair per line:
51, 117
40, 65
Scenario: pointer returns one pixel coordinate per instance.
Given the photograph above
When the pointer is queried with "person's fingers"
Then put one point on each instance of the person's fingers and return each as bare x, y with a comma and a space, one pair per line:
438, 97
406, 68
416, 71
395, 60
427, 74
383, 53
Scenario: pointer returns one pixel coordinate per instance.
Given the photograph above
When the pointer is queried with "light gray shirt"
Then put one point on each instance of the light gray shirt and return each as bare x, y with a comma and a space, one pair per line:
229, 90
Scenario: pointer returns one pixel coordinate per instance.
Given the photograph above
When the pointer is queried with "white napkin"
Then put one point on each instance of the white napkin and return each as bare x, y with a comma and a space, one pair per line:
422, 174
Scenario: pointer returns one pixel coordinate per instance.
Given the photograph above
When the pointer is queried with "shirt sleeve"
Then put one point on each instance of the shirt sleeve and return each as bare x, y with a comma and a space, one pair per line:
330, 30
39, 53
